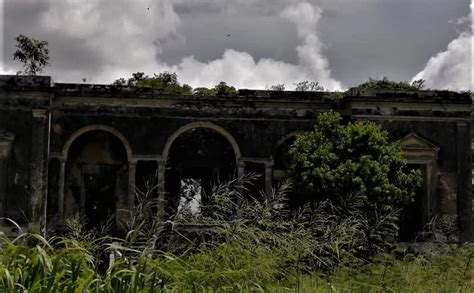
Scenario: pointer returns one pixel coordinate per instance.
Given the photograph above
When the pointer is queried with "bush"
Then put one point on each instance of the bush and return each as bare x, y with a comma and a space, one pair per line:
386, 84
354, 165
255, 244
222, 89
166, 80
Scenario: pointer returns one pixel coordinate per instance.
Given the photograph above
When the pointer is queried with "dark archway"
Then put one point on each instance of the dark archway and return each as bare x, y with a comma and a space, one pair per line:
200, 156
282, 158
96, 183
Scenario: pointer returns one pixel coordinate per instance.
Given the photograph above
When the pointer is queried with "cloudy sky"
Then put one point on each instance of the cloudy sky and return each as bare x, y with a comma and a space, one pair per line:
248, 43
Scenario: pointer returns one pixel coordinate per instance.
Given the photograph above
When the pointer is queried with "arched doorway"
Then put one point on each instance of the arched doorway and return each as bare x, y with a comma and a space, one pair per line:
96, 173
201, 157
282, 158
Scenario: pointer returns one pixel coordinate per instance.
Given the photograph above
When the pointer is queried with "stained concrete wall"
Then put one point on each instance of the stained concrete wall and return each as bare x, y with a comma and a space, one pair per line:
146, 120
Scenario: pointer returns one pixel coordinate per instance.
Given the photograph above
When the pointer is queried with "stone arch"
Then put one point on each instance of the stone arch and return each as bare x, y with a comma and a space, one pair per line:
201, 154
101, 127
202, 124
97, 182
283, 139
279, 168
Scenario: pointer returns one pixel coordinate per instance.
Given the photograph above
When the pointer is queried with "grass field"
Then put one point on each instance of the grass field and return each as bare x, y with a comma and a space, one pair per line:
70, 265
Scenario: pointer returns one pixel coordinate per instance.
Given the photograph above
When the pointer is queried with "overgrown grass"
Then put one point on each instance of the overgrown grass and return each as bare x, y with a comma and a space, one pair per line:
244, 244
226, 267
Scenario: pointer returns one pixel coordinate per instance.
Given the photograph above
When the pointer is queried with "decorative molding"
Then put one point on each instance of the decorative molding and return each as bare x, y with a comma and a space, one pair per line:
418, 150
411, 118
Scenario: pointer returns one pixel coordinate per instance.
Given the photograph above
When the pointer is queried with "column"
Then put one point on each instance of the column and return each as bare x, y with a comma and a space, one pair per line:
240, 169
161, 188
268, 177
464, 200
38, 185
62, 176
5, 146
3, 185
132, 167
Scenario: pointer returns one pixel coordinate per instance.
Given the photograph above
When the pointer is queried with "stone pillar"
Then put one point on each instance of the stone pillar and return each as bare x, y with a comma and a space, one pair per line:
464, 200
268, 177
62, 178
38, 182
240, 169
5, 146
132, 167
161, 188
3, 185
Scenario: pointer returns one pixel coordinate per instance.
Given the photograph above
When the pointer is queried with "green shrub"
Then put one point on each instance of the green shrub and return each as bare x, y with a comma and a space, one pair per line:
386, 84
166, 81
355, 167
222, 89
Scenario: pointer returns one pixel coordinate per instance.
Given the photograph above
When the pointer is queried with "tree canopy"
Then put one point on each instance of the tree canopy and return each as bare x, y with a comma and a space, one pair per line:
34, 54
308, 86
169, 81
353, 162
165, 80
222, 89
386, 84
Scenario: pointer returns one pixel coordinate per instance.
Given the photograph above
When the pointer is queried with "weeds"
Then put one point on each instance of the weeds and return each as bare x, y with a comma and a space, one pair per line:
236, 242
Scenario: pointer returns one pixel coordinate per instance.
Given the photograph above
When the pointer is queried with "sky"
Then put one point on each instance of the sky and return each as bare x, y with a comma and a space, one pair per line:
248, 43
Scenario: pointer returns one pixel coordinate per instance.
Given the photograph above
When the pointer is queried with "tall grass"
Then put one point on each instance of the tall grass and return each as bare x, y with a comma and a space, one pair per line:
236, 243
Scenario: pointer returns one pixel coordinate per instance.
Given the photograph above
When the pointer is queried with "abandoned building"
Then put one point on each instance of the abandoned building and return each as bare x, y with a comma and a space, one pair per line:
69, 148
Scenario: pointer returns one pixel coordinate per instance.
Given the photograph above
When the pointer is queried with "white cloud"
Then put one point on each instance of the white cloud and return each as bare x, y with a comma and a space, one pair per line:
113, 40
452, 68
241, 70
125, 34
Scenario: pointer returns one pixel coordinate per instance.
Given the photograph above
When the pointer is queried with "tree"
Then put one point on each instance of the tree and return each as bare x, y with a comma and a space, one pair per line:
386, 84
32, 53
165, 80
277, 87
307, 86
418, 84
354, 162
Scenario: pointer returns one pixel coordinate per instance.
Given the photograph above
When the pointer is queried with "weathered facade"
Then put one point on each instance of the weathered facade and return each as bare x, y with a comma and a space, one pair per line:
77, 148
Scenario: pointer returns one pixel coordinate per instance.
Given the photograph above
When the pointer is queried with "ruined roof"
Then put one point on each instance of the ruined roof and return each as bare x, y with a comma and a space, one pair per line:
45, 84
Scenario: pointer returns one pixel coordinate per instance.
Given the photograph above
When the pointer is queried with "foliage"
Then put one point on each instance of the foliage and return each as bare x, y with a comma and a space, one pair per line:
307, 239
222, 89
336, 97
63, 265
32, 53
256, 244
277, 87
452, 271
386, 84
307, 86
166, 80
354, 163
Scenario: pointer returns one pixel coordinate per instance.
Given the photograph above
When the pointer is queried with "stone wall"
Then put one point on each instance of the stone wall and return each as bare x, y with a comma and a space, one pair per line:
42, 123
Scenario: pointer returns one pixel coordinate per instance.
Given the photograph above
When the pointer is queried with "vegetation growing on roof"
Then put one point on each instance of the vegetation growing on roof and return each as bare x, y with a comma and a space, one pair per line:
386, 84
